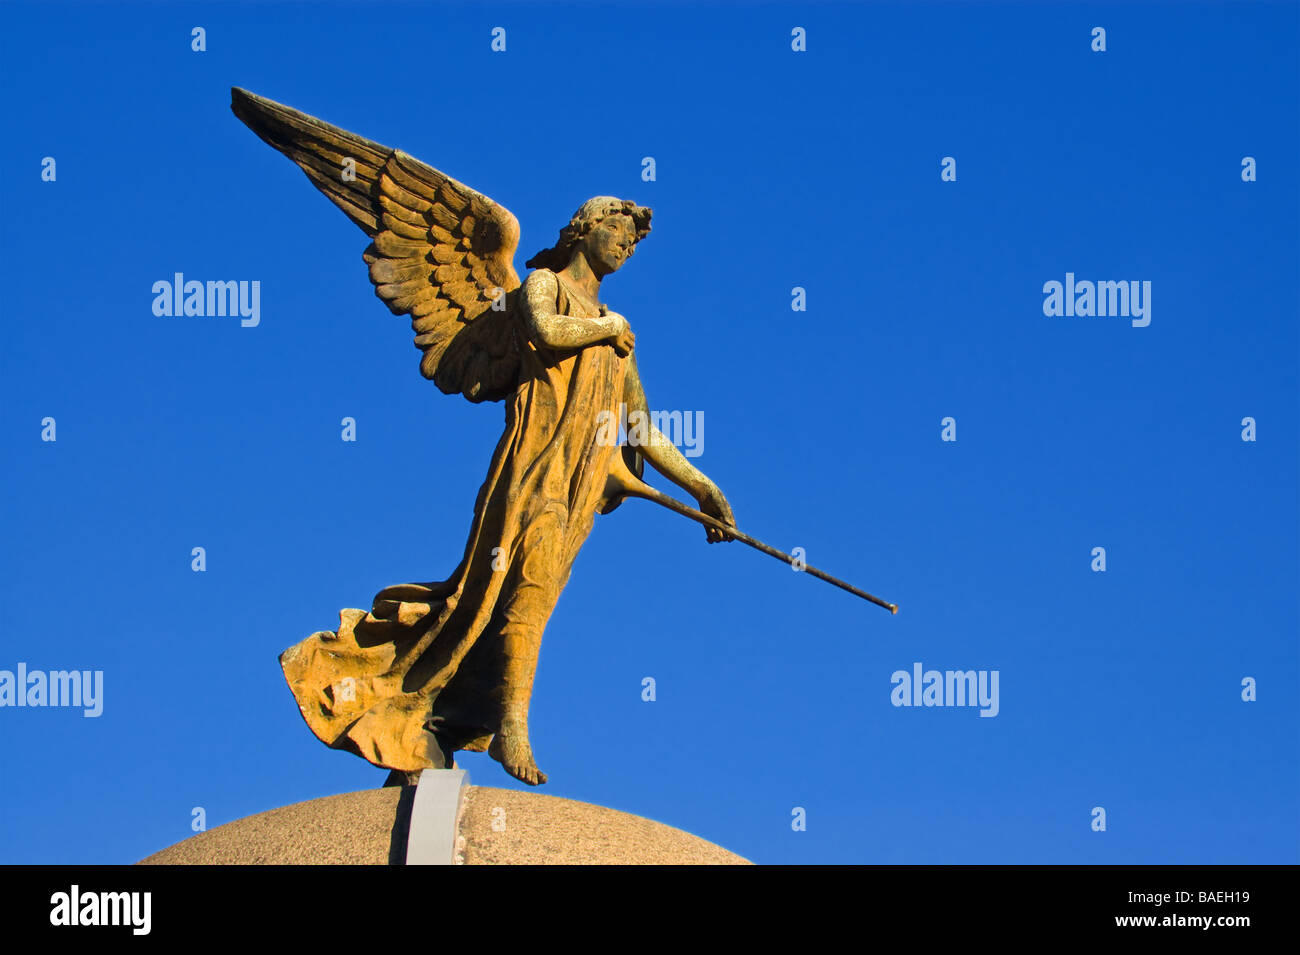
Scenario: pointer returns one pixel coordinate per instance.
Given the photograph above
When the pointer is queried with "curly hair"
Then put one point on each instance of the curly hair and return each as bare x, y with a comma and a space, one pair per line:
589, 215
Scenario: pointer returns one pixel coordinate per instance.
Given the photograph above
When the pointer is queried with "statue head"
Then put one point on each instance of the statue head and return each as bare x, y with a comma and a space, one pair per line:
604, 229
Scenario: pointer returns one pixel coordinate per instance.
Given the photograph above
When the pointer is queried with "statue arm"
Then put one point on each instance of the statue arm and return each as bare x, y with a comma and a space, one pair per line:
664, 456
548, 327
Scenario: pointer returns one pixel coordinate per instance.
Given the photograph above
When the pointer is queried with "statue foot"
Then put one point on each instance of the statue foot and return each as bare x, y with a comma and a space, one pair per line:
511, 749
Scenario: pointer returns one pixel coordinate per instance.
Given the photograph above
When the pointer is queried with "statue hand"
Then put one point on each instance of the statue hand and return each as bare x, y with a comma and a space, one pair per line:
714, 504
623, 339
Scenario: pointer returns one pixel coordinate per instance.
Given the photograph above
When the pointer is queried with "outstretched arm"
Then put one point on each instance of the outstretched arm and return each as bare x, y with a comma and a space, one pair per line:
671, 463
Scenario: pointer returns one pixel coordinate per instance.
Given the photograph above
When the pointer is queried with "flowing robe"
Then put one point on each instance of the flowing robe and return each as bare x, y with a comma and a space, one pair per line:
425, 672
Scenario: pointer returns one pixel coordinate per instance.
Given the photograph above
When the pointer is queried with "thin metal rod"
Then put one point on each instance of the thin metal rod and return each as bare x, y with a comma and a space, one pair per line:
673, 504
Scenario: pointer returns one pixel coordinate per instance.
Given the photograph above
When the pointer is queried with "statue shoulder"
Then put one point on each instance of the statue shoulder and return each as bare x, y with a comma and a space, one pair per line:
541, 279
542, 286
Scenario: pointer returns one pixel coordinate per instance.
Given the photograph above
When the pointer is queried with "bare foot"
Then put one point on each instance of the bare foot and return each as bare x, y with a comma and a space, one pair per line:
511, 749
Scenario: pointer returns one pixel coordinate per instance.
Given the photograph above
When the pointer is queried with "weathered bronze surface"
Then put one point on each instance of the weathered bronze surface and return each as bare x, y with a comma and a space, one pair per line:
438, 667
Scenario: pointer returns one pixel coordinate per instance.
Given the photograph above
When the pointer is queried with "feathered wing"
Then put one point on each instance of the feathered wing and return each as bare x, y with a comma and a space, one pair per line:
440, 252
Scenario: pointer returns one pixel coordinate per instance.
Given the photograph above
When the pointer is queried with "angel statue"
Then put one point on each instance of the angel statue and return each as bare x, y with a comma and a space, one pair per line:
434, 668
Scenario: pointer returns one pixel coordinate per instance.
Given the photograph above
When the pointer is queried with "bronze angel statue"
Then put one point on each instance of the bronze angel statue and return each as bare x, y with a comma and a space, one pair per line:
438, 667
434, 668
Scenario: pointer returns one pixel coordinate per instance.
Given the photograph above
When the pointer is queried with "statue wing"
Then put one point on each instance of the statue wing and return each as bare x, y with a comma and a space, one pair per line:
440, 252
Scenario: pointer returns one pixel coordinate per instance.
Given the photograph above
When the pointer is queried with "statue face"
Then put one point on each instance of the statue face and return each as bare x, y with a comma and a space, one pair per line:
608, 245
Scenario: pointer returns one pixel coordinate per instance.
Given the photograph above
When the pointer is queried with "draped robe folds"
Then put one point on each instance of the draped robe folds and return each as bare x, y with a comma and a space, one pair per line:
422, 674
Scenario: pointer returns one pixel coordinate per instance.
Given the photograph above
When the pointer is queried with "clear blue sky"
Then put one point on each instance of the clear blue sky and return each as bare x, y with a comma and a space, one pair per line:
775, 169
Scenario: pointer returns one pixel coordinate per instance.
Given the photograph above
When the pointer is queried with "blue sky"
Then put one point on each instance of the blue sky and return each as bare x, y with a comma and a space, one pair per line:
821, 169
